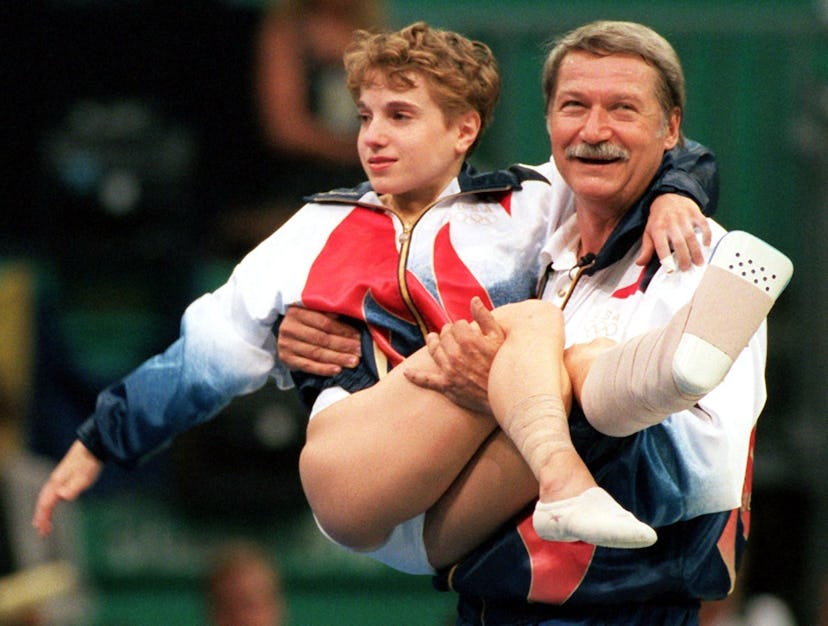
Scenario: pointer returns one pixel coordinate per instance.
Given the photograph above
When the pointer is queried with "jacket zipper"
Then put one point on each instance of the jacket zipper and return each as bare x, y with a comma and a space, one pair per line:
405, 244
402, 283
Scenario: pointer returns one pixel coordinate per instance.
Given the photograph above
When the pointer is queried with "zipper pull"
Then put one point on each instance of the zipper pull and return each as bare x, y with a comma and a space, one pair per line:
575, 273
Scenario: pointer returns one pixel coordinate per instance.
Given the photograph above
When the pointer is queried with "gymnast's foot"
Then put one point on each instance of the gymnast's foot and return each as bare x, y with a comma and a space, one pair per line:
740, 285
593, 517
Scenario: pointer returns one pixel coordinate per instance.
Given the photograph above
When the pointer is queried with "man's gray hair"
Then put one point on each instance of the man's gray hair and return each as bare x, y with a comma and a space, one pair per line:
608, 37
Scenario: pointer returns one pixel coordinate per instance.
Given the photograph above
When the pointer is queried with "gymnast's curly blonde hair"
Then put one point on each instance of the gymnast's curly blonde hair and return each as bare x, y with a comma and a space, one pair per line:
462, 74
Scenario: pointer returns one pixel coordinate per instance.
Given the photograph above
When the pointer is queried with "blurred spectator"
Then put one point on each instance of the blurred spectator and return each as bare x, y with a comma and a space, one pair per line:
304, 106
39, 582
308, 122
244, 588
759, 610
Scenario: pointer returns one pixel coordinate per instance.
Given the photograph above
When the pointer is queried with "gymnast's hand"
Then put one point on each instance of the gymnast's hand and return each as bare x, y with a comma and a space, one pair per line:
76, 472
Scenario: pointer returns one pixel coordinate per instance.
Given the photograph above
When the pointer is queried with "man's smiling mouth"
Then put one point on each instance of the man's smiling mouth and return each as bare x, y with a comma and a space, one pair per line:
603, 153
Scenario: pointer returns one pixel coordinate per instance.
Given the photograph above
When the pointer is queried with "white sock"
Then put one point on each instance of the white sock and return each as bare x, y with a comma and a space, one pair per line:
594, 517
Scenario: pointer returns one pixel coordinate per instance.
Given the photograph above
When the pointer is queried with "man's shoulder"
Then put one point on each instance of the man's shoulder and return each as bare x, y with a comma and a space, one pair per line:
547, 169
513, 178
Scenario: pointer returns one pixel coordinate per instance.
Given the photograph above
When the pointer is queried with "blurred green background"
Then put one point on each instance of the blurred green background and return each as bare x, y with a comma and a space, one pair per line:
757, 77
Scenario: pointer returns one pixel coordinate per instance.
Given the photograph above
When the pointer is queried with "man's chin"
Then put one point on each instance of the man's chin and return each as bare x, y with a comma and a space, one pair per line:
595, 188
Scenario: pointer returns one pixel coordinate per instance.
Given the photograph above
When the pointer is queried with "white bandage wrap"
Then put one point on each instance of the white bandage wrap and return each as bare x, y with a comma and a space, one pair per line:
644, 380
631, 386
737, 291
538, 427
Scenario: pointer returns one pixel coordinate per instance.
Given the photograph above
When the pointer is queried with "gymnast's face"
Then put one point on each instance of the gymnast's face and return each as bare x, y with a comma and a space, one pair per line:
408, 147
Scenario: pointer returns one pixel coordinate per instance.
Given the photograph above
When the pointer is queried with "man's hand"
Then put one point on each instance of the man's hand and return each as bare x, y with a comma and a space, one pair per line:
671, 229
76, 472
317, 343
463, 353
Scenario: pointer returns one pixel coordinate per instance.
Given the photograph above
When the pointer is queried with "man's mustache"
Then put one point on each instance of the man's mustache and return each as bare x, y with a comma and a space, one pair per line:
604, 151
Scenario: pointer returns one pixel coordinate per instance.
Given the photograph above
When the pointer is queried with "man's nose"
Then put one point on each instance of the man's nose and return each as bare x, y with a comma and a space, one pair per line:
596, 126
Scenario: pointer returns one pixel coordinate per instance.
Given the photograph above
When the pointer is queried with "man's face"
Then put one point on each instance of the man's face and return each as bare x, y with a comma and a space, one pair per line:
407, 147
607, 129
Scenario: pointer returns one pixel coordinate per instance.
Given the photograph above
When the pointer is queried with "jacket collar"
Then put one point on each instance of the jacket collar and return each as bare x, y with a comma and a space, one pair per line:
469, 181
629, 230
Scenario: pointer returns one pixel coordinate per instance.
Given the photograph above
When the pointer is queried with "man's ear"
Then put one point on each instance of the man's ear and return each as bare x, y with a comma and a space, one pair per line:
673, 130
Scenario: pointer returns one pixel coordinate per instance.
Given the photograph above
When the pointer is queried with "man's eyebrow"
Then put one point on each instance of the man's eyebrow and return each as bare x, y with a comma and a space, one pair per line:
629, 92
568, 91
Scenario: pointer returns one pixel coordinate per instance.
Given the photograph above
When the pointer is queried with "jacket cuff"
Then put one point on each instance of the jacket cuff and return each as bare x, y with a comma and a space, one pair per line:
682, 184
90, 437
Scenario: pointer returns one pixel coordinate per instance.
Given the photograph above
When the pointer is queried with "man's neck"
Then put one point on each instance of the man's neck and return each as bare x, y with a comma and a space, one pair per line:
595, 226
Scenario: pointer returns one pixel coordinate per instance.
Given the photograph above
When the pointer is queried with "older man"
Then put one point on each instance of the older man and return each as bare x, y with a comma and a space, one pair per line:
615, 99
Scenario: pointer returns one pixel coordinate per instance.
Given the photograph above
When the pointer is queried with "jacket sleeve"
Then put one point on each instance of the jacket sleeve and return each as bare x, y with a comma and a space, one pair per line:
690, 170
226, 348
209, 364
